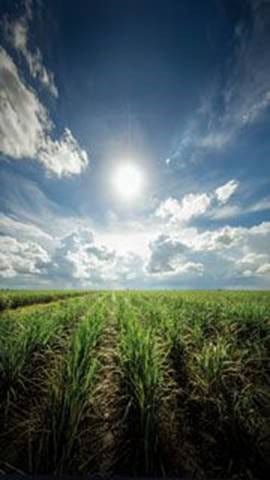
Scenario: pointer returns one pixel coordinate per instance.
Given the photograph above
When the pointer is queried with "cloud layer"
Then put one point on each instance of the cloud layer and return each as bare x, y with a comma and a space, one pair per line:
176, 253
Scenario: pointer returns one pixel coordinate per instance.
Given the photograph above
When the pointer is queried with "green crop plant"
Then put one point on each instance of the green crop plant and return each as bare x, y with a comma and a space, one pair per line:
143, 362
170, 383
71, 390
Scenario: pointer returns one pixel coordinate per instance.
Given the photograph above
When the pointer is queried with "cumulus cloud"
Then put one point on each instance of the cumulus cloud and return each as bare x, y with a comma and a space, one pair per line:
25, 126
170, 256
254, 264
227, 254
244, 250
220, 257
220, 239
194, 205
246, 239
253, 270
79, 256
21, 257
87, 262
76, 259
165, 252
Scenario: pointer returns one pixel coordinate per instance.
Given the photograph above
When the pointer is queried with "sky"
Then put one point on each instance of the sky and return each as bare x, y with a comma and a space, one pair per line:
135, 144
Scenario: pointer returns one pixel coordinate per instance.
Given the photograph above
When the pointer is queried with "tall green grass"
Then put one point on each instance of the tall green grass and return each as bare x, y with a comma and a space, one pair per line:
31, 342
193, 381
143, 360
70, 394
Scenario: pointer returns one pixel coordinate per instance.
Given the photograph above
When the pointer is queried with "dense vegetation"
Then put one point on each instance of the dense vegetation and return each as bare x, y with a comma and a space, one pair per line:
161, 383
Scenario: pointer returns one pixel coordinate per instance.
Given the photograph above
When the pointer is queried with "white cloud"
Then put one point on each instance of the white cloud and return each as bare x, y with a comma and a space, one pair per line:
220, 239
23, 119
21, 258
84, 260
264, 269
63, 156
189, 257
195, 205
169, 257
192, 205
83, 256
253, 259
221, 255
17, 32
50, 248
252, 239
255, 264
25, 126
24, 230
165, 254
225, 192
128, 239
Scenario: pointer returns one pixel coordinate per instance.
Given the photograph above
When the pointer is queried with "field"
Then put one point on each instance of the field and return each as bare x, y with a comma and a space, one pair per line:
137, 383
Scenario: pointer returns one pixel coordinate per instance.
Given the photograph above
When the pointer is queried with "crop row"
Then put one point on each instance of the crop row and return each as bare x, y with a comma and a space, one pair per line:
138, 383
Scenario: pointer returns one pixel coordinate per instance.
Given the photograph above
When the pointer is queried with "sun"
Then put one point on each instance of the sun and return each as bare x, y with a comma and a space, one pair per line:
128, 181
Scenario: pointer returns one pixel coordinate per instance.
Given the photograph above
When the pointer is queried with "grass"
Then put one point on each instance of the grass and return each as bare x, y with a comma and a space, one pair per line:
141, 383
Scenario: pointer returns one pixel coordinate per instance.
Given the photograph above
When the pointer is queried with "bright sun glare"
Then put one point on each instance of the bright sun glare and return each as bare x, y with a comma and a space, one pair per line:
128, 181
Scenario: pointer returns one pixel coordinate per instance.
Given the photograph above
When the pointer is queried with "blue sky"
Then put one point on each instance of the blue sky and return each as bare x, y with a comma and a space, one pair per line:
134, 144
